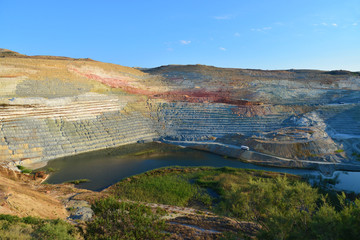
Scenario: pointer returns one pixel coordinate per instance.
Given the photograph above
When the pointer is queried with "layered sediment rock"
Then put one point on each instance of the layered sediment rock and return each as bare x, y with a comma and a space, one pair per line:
37, 133
56, 106
189, 121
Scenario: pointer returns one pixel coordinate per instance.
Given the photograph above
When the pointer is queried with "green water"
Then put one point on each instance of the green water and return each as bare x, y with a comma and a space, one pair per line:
106, 167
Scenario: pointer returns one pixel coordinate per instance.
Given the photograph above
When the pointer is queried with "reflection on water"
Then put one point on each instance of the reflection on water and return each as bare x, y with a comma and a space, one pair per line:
106, 167
349, 181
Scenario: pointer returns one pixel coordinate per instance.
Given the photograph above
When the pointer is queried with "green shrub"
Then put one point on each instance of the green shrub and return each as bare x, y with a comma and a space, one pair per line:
165, 189
13, 227
350, 218
18, 231
23, 169
325, 223
50, 170
293, 210
20, 167
277, 204
26, 170
78, 181
56, 229
285, 206
9, 218
121, 220
32, 220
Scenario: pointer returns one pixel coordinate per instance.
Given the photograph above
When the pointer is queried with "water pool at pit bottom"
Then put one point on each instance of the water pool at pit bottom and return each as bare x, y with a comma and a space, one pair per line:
106, 167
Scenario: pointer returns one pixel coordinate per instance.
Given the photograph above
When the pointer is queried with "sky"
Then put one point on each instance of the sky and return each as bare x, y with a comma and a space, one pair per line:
257, 34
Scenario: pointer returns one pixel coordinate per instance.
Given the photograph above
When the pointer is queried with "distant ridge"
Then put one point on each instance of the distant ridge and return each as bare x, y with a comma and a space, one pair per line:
199, 68
207, 68
9, 53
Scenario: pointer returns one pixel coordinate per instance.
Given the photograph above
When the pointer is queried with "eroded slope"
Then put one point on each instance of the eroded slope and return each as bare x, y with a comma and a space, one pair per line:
57, 106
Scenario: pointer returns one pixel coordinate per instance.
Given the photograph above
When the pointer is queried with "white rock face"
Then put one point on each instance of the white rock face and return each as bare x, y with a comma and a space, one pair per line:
315, 122
352, 83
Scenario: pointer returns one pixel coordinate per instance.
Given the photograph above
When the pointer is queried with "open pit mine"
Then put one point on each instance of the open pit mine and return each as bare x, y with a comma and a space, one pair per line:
52, 107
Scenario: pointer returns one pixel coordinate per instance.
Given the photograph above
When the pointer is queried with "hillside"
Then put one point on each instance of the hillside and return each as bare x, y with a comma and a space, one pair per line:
21, 195
59, 106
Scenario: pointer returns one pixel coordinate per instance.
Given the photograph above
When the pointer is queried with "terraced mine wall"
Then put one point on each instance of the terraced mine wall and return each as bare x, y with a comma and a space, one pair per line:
33, 133
54, 106
342, 118
38, 133
196, 121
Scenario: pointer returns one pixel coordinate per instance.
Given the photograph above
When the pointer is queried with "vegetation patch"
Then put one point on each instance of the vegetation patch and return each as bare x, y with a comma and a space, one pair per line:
24, 169
185, 186
13, 227
51, 170
172, 189
122, 220
285, 206
145, 152
78, 181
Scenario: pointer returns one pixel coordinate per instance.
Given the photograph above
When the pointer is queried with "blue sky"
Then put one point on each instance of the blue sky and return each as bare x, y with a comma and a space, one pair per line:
261, 34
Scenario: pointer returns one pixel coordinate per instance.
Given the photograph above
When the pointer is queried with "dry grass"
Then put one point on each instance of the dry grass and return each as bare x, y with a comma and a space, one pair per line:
19, 69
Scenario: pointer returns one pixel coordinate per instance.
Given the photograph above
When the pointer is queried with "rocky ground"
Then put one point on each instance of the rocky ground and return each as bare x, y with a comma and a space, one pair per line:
24, 195
21, 195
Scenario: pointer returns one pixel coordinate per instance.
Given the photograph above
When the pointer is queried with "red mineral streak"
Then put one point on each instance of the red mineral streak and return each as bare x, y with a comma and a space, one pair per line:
219, 96
8, 76
122, 82
195, 96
